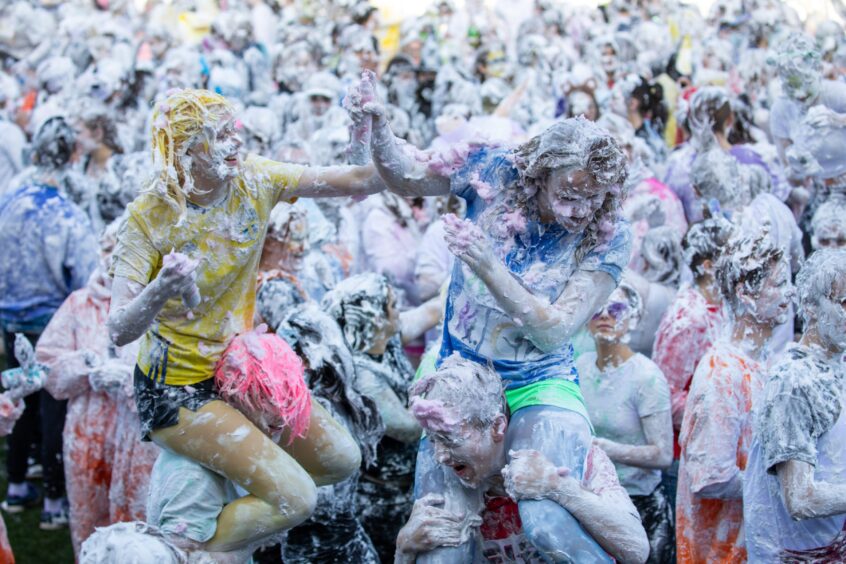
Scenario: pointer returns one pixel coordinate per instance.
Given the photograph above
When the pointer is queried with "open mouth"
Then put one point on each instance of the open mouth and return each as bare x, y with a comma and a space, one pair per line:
461, 469
231, 160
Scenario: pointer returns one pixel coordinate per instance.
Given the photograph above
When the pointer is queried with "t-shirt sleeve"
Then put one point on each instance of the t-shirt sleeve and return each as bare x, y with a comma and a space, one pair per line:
612, 257
835, 95
786, 425
136, 257
276, 176
653, 394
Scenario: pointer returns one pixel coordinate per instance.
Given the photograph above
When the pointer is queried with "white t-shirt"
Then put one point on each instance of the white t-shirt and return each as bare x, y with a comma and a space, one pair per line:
616, 401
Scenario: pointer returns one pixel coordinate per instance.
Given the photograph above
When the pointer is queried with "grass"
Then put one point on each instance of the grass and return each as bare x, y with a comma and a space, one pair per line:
30, 544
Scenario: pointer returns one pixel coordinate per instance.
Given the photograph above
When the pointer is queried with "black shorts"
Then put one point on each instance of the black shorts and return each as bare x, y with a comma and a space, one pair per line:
158, 404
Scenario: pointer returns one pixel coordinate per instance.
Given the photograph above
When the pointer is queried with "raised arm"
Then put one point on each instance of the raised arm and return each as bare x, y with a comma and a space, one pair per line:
658, 429
805, 497
406, 170
337, 181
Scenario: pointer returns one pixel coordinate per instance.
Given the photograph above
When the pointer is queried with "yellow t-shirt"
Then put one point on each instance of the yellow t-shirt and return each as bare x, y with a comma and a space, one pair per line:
182, 347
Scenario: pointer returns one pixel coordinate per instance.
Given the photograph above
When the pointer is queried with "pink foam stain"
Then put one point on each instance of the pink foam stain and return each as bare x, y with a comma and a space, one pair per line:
482, 188
433, 415
515, 221
446, 163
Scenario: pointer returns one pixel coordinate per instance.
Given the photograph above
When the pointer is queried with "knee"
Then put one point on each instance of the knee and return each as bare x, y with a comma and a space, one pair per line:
298, 501
346, 459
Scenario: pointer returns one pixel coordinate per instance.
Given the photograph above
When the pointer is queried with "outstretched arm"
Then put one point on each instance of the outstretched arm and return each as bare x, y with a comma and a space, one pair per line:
337, 181
547, 325
805, 497
406, 171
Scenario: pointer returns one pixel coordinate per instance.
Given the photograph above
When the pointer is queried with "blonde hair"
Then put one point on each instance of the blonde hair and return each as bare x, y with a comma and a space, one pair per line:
182, 119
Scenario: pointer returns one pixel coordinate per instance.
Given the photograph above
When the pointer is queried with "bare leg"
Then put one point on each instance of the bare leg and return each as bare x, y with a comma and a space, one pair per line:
328, 452
220, 438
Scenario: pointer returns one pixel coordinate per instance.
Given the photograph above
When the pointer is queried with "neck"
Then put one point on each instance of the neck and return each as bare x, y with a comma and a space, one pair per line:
751, 335
722, 139
705, 285
636, 120
208, 191
812, 339
100, 156
610, 354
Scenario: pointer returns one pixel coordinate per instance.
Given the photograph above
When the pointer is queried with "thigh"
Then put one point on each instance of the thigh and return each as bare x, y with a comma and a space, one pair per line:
327, 452
563, 436
220, 438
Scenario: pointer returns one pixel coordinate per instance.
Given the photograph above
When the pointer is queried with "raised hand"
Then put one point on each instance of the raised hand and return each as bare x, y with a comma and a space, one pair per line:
467, 242
177, 278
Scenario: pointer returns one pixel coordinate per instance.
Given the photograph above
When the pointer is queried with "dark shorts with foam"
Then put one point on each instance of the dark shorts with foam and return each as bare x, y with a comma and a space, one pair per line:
158, 404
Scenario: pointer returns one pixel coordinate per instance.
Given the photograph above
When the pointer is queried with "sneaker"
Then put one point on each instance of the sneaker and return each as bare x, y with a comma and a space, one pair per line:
17, 503
54, 521
34, 471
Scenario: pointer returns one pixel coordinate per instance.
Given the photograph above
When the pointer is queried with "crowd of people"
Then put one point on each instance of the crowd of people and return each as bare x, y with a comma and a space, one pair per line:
504, 282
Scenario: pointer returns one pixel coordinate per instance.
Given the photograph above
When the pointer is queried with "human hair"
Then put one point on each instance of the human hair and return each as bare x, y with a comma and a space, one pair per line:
633, 298
459, 391
711, 104
357, 304
797, 54
587, 91
746, 262
816, 278
53, 144
705, 241
650, 102
99, 117
184, 118
574, 144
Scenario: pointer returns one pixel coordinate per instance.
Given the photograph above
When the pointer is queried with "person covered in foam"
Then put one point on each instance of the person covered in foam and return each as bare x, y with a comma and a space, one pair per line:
794, 487
716, 432
463, 410
628, 401
184, 283
541, 249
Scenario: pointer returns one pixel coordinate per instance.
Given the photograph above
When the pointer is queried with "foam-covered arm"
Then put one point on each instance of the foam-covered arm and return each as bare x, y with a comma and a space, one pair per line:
337, 181
67, 363
658, 429
805, 497
133, 309
399, 423
530, 475
429, 527
415, 322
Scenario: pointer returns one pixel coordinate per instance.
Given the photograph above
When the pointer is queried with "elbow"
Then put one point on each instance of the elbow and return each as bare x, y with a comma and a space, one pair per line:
664, 461
116, 334
635, 548
799, 507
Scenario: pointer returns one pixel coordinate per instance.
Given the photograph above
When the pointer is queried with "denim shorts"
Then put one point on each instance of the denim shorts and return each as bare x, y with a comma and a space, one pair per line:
158, 404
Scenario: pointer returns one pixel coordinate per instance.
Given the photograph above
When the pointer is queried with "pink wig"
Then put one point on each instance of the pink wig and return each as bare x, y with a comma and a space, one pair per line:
261, 376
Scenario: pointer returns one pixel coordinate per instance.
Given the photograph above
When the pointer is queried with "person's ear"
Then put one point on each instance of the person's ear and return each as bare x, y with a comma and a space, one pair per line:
500, 425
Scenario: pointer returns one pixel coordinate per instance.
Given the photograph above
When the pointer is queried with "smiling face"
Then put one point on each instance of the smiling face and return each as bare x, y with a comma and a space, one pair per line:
613, 322
219, 157
571, 199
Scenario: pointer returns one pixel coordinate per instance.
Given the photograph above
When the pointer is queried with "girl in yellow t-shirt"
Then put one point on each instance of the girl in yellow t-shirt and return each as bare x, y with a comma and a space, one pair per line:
184, 283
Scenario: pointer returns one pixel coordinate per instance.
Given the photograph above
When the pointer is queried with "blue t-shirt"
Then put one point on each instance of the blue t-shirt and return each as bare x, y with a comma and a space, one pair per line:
543, 259
49, 250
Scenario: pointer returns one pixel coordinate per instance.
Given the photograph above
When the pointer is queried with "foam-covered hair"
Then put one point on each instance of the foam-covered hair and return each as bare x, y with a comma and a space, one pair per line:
831, 214
262, 377
747, 261
797, 54
53, 144
816, 278
704, 241
182, 119
134, 542
459, 391
356, 304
